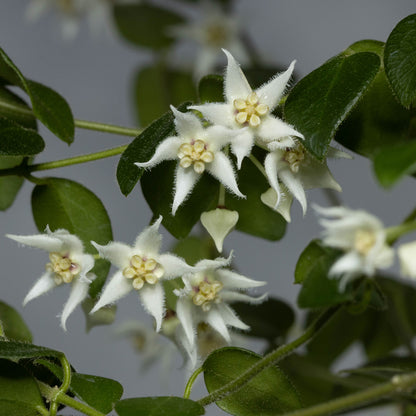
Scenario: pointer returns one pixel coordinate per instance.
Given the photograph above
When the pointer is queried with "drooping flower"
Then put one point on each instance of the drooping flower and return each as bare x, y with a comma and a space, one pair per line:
407, 257
68, 264
250, 111
141, 268
197, 149
298, 170
361, 236
205, 297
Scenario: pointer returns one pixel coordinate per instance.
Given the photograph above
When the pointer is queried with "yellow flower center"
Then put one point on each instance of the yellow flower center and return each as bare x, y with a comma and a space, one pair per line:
295, 156
143, 270
64, 268
206, 293
250, 110
195, 153
364, 241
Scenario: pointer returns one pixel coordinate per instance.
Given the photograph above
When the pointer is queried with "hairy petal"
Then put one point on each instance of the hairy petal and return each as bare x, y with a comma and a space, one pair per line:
272, 128
42, 241
187, 124
185, 180
174, 266
44, 284
79, 292
217, 113
215, 319
184, 313
236, 84
167, 150
232, 279
153, 300
117, 253
150, 240
295, 186
230, 318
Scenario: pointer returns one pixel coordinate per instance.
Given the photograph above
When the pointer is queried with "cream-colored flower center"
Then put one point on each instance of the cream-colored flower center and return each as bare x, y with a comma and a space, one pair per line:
216, 35
250, 110
143, 270
206, 293
64, 268
364, 241
195, 153
294, 156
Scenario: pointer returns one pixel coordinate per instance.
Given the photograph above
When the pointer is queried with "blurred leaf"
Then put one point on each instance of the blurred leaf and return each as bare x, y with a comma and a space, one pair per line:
9, 185
268, 393
400, 60
321, 101
157, 87
13, 325
194, 248
145, 24
159, 406
104, 316
210, 89
14, 108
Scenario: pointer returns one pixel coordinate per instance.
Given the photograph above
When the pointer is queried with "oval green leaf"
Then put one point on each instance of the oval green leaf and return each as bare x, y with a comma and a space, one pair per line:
322, 100
14, 108
159, 406
13, 325
268, 393
400, 60
16, 350
9, 185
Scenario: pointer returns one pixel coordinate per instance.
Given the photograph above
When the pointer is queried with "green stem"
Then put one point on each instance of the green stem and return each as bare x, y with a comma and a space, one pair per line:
191, 382
396, 384
269, 359
393, 233
258, 165
42, 410
84, 408
2, 333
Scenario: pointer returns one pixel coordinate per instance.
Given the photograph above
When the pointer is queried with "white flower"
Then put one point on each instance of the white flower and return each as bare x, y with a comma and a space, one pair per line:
251, 110
215, 30
407, 258
361, 236
205, 296
298, 171
196, 149
142, 268
68, 264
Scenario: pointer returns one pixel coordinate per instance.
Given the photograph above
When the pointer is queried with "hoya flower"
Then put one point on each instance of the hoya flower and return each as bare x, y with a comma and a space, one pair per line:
298, 171
407, 258
251, 111
205, 298
141, 268
68, 264
361, 236
196, 149
213, 31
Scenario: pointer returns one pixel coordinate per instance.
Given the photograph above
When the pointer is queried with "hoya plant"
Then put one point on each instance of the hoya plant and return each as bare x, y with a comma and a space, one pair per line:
218, 147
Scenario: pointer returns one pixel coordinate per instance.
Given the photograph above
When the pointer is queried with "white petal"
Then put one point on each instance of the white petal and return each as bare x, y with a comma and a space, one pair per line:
282, 143
174, 266
184, 313
271, 92
185, 180
218, 136
236, 84
214, 318
242, 144
86, 261
118, 254
234, 280
118, 287
349, 263
230, 318
79, 292
44, 284
272, 128
407, 258
217, 113
231, 296
271, 164
42, 241
167, 150
207, 264
71, 242
222, 170
295, 187
187, 124
153, 300
150, 240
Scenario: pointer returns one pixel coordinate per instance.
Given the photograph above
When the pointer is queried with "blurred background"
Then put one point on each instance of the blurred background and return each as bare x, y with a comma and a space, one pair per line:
95, 73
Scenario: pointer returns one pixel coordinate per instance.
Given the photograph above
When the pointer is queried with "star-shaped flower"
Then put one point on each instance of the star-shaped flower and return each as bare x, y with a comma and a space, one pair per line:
298, 171
141, 268
361, 236
206, 294
67, 264
197, 149
251, 111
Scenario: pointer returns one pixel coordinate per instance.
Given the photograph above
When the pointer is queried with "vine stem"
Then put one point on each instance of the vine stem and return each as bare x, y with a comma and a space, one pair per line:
191, 382
396, 384
269, 359
66, 382
393, 233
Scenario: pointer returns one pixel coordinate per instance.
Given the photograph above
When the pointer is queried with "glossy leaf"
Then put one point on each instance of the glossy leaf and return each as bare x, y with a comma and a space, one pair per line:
157, 87
322, 100
400, 60
145, 24
269, 393
16, 350
13, 325
18, 141
159, 406
9, 185
14, 108
48, 106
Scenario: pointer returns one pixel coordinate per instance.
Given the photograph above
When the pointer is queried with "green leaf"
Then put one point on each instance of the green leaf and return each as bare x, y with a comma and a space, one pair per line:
255, 218
16, 350
9, 185
262, 318
400, 60
48, 106
18, 391
18, 141
14, 108
268, 393
13, 325
210, 89
61, 203
142, 148
146, 25
157, 87
159, 406
322, 100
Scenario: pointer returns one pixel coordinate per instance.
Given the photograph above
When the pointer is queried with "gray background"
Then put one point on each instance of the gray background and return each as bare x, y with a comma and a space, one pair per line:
94, 75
